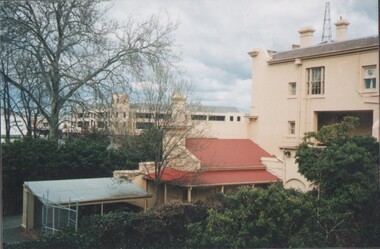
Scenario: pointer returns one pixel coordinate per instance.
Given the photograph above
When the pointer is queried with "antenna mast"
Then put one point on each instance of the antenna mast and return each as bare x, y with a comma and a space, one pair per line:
326, 34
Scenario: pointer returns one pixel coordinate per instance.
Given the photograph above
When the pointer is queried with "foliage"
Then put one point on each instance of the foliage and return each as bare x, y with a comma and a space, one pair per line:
142, 147
38, 159
24, 160
251, 219
335, 161
164, 227
345, 169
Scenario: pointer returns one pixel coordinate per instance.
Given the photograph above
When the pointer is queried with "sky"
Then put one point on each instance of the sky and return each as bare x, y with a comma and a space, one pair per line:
215, 36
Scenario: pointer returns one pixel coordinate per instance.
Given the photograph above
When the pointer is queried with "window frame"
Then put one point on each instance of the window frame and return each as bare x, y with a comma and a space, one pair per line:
217, 118
364, 68
291, 128
290, 89
198, 117
315, 87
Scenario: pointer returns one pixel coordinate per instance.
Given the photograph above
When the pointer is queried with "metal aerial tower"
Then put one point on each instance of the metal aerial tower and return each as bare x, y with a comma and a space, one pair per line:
326, 34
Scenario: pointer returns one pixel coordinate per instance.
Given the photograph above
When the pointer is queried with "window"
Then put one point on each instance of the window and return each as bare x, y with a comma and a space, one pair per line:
231, 118
369, 77
217, 118
100, 124
291, 127
292, 88
198, 117
143, 125
144, 115
238, 119
316, 81
125, 115
164, 116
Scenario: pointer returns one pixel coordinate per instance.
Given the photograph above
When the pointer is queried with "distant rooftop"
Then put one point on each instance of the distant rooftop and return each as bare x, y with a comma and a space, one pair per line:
213, 109
195, 108
325, 49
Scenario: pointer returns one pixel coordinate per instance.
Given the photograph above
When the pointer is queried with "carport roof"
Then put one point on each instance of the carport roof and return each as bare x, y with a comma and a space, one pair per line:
86, 191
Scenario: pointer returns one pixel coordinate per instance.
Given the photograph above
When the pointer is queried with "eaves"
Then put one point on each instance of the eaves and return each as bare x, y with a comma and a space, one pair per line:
323, 55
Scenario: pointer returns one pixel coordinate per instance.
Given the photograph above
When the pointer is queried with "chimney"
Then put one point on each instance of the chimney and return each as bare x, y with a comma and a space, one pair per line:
179, 108
341, 29
306, 36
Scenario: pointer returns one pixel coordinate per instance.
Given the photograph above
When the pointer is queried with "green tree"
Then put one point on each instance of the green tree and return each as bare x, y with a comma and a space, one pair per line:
252, 218
345, 170
164, 227
23, 160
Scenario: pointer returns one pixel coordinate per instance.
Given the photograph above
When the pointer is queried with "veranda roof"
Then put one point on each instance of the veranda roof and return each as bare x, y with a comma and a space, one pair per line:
86, 191
216, 178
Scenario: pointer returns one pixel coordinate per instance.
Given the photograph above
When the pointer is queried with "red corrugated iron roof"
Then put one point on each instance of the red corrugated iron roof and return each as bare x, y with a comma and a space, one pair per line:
172, 175
226, 153
223, 162
216, 178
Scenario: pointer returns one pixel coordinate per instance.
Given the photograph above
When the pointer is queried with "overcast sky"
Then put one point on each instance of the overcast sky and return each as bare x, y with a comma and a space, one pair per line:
214, 36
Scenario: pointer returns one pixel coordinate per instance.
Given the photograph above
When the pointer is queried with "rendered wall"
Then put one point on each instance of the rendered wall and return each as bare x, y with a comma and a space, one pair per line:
274, 106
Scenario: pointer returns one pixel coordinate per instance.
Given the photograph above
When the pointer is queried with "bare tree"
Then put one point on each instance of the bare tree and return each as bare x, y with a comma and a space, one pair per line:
78, 52
17, 104
6, 107
160, 117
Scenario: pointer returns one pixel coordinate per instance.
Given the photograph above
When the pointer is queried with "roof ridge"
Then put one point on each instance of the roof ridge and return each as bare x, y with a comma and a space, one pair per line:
324, 44
326, 49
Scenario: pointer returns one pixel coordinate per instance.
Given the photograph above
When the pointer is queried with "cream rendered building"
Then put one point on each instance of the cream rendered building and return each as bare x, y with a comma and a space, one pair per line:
300, 90
212, 121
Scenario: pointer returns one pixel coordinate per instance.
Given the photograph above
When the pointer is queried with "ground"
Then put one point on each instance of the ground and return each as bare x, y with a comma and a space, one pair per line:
12, 230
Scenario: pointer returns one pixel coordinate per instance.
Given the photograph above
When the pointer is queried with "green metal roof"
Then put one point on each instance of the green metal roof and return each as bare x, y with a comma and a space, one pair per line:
92, 190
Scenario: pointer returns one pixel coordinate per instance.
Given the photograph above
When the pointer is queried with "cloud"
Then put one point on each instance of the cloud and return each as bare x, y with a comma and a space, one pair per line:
215, 36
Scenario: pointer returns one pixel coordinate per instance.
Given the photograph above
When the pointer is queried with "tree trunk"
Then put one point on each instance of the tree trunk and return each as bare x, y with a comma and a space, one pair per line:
54, 121
7, 112
157, 201
34, 125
